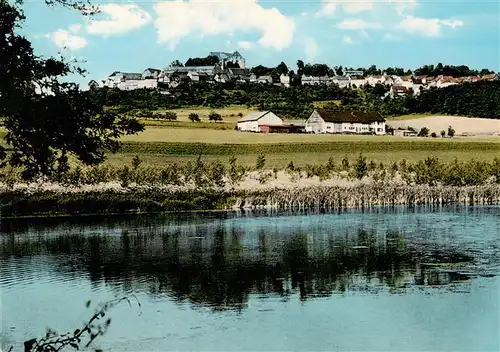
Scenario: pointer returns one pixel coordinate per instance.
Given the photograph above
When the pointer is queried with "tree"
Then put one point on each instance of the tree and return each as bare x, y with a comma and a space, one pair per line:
214, 116
282, 69
424, 132
433, 135
194, 117
451, 132
443, 133
176, 63
361, 168
33, 102
170, 116
300, 67
260, 162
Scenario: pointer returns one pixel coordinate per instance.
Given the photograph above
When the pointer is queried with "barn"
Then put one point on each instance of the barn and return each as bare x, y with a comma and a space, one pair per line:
357, 122
252, 121
285, 128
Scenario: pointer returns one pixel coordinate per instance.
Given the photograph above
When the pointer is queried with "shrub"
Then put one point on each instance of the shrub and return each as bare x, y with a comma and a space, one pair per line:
260, 162
213, 116
136, 162
217, 173
194, 117
433, 135
330, 165
170, 116
236, 173
451, 132
424, 132
345, 164
443, 133
361, 168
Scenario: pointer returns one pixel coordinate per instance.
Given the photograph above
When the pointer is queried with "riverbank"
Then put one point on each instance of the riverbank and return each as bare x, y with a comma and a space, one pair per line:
112, 198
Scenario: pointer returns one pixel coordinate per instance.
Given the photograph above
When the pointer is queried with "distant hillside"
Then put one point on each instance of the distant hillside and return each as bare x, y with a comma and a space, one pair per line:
480, 99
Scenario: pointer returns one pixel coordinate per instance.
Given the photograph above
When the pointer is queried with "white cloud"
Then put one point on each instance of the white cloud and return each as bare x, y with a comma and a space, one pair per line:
75, 28
428, 27
402, 6
64, 39
310, 48
120, 19
245, 44
330, 6
391, 37
358, 24
179, 19
348, 40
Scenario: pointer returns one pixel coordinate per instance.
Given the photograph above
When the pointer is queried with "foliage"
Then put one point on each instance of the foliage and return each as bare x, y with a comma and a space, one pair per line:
210, 60
479, 99
169, 115
136, 162
345, 164
424, 132
236, 173
360, 167
194, 117
214, 116
451, 132
33, 101
260, 162
52, 341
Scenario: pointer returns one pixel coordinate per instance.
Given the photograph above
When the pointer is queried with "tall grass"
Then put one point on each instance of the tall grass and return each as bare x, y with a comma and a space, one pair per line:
214, 185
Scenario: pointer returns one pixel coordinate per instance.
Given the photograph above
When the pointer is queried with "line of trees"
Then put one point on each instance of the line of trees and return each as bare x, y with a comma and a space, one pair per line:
479, 99
321, 69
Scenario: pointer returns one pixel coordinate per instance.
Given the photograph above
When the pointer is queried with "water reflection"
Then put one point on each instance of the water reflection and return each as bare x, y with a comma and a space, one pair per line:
219, 266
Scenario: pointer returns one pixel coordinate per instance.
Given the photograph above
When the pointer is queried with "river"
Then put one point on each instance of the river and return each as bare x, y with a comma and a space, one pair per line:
421, 279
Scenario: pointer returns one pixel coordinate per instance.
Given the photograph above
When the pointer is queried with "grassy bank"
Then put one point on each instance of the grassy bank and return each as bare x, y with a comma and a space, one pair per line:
205, 185
320, 197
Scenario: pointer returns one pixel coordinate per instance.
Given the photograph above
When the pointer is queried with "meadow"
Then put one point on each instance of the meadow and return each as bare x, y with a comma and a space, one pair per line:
165, 142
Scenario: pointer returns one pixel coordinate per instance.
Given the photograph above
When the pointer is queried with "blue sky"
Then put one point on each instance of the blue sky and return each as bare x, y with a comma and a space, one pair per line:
133, 35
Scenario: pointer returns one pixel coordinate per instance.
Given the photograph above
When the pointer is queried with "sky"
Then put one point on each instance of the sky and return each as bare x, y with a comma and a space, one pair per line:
131, 36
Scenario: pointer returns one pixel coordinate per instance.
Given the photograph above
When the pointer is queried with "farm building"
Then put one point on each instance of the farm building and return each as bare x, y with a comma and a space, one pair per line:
404, 133
328, 121
285, 128
252, 121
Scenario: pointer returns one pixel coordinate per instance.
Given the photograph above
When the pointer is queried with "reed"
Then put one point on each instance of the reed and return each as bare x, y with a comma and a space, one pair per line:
367, 195
160, 199
206, 185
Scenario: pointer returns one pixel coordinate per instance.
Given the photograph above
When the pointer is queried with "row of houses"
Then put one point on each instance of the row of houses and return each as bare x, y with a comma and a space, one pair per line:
173, 76
320, 121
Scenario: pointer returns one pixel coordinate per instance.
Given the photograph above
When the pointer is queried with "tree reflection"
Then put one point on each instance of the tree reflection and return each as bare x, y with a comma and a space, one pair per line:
220, 268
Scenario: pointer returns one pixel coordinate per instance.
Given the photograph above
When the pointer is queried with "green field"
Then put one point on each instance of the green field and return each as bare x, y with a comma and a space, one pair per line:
182, 140
157, 146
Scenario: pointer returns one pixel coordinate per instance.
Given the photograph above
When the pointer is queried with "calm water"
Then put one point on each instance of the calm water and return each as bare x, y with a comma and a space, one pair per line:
382, 280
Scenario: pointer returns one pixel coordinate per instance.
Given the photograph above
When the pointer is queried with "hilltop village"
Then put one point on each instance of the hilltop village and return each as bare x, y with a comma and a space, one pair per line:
231, 67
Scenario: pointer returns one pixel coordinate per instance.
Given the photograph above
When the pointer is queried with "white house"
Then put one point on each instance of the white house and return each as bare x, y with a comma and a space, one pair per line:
358, 81
265, 79
341, 81
150, 73
285, 80
328, 121
252, 121
373, 80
